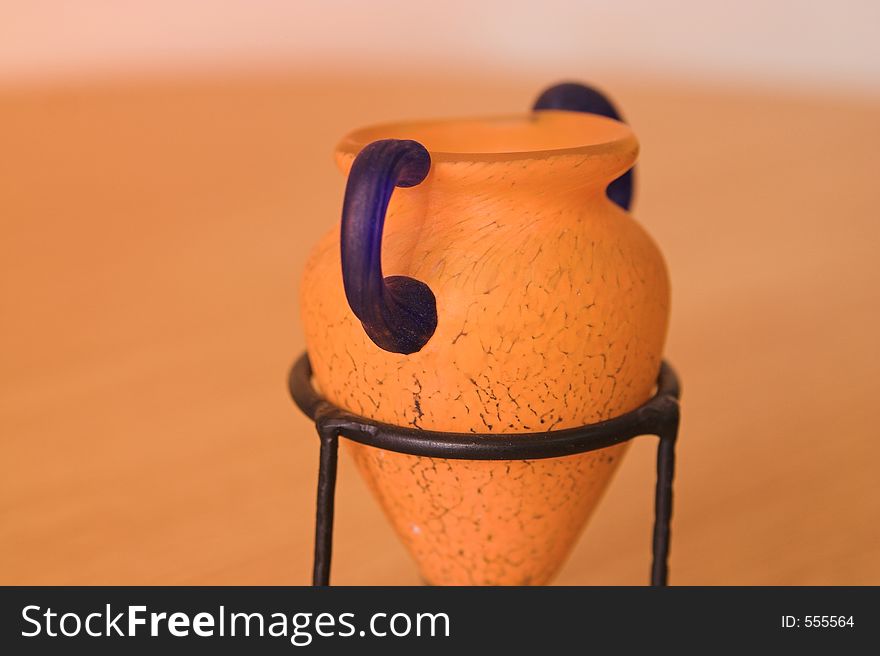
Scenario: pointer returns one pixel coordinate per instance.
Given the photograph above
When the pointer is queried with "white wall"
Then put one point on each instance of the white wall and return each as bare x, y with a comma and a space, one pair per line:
812, 43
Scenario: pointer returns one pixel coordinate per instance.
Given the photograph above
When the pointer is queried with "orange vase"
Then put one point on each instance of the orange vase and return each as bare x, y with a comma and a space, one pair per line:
519, 298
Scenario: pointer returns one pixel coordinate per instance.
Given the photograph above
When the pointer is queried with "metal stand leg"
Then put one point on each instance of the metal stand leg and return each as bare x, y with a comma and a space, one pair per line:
663, 496
326, 499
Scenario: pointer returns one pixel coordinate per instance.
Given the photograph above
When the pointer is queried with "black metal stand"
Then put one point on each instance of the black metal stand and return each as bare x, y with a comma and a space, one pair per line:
659, 416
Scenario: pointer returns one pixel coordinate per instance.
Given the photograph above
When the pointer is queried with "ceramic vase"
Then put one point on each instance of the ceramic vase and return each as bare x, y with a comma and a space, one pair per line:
482, 280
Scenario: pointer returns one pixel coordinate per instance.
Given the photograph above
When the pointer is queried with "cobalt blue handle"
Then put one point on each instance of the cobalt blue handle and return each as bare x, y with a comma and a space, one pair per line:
574, 97
398, 313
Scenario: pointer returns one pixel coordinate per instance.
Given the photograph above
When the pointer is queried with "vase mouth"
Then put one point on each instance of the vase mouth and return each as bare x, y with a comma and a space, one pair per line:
534, 135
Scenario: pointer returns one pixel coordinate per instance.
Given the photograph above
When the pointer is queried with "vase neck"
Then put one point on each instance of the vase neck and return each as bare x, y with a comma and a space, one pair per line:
507, 192
503, 171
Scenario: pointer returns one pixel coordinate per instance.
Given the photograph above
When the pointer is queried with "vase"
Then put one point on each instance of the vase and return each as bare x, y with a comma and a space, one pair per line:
482, 280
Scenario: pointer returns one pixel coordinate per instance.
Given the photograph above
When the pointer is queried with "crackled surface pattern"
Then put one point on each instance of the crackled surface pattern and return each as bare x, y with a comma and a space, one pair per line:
552, 307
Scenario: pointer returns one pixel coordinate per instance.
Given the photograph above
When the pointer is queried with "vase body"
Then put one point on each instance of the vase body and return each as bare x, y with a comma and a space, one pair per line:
552, 306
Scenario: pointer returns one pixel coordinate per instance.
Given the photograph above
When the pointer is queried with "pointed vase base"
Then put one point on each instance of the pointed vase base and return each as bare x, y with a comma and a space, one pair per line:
477, 522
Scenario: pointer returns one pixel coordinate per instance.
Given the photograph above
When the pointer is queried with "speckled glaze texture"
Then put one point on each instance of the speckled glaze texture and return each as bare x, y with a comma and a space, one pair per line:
552, 307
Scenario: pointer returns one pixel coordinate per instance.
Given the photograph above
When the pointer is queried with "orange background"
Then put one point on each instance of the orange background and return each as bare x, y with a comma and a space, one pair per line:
154, 228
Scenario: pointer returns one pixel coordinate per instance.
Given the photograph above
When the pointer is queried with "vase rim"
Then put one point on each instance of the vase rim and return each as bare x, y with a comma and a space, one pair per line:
533, 135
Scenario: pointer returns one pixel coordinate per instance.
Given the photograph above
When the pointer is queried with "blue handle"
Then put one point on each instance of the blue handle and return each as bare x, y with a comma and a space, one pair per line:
575, 97
398, 313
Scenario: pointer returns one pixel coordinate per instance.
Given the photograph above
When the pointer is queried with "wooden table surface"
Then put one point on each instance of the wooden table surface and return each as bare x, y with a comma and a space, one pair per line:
153, 235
